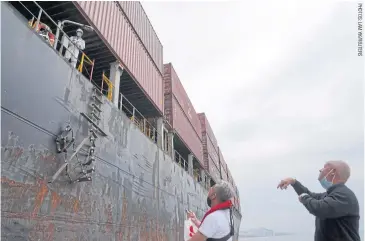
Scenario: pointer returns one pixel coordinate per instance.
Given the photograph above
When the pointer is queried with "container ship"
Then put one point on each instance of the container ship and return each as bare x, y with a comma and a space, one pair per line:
102, 145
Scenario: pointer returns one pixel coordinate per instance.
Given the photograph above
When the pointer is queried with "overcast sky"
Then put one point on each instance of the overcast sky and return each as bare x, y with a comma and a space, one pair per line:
282, 86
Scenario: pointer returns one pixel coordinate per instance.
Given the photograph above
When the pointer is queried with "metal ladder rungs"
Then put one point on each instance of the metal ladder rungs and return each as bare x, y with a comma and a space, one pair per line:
78, 148
84, 179
93, 123
97, 99
91, 170
95, 116
97, 91
96, 107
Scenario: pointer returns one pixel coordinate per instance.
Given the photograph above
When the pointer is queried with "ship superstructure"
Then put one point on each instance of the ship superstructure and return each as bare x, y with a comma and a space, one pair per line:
110, 150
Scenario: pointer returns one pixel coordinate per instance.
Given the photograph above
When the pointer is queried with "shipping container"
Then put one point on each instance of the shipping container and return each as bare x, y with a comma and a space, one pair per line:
230, 179
173, 84
112, 25
224, 174
233, 182
209, 153
208, 149
208, 129
180, 123
222, 161
212, 152
212, 170
229, 175
143, 27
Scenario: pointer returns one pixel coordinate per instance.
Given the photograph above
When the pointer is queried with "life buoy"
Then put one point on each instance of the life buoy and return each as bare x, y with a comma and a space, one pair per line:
45, 27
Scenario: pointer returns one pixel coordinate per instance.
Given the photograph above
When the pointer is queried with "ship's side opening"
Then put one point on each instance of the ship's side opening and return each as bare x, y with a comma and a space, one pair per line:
96, 63
182, 153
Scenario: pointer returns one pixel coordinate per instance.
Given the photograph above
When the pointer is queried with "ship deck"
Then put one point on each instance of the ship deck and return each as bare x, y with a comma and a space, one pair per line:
95, 49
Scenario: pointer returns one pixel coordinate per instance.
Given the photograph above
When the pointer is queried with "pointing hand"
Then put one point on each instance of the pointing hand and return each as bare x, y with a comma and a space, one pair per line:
286, 182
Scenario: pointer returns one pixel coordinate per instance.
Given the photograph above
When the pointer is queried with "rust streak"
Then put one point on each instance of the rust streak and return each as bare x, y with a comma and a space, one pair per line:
18, 152
130, 223
13, 183
43, 190
151, 230
50, 231
109, 221
144, 228
56, 200
76, 206
124, 217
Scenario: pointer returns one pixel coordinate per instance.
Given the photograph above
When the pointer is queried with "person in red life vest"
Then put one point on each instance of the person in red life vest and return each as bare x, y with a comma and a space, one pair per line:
217, 223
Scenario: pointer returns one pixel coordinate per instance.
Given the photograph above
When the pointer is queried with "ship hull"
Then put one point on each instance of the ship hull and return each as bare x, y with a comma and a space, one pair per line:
137, 191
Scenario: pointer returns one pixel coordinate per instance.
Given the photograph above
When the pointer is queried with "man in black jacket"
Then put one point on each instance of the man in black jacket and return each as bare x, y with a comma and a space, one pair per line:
337, 209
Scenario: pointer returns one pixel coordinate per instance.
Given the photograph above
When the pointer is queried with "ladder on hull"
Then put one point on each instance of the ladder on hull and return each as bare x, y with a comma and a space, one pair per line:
80, 171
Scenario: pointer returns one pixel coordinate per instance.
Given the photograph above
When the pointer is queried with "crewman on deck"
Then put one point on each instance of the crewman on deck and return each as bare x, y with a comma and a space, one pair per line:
337, 209
217, 223
75, 45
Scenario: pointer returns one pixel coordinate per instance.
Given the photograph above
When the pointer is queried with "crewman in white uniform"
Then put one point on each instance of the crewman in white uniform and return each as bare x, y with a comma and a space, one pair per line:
75, 45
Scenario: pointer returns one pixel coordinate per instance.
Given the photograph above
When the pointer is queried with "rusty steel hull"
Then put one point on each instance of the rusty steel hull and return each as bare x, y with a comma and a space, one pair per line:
137, 191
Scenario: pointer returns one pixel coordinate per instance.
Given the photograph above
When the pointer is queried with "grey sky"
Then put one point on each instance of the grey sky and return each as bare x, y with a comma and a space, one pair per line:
282, 86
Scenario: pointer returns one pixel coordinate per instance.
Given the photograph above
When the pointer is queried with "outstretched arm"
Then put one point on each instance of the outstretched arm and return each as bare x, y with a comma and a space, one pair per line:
300, 189
332, 206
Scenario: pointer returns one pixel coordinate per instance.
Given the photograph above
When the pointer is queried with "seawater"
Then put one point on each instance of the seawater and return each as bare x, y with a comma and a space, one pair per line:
307, 237
281, 238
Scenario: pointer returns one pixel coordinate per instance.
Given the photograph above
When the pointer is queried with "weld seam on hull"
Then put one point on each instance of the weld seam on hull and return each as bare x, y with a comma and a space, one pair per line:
96, 156
23, 119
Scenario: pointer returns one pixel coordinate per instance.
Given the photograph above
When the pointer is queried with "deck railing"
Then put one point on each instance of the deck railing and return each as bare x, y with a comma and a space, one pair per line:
109, 91
124, 104
47, 34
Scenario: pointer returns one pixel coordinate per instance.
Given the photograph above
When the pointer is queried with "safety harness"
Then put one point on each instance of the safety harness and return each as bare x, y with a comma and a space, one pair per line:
222, 206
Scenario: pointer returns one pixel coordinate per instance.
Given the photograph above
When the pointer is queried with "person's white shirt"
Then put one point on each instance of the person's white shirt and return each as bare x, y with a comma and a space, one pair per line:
216, 225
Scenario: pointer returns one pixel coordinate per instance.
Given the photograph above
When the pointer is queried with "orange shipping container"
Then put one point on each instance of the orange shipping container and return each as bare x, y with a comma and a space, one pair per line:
181, 114
183, 127
209, 152
173, 85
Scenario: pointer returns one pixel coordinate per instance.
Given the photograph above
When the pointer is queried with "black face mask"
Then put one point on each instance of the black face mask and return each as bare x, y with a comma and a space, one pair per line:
209, 202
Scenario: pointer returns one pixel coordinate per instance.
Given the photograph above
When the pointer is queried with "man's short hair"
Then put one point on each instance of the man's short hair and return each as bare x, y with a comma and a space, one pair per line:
224, 191
342, 169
